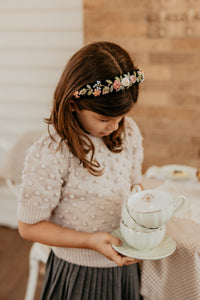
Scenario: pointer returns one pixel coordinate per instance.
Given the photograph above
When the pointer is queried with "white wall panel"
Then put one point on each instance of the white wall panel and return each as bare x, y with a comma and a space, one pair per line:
35, 58
40, 4
37, 38
30, 76
16, 126
41, 39
25, 93
25, 112
26, 20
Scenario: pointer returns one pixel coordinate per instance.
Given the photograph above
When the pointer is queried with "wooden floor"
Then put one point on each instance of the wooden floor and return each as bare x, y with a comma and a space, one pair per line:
14, 268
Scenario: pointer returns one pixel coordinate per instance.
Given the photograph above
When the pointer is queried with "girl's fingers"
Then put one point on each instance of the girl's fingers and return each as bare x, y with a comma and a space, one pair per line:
115, 241
117, 258
128, 261
122, 260
112, 254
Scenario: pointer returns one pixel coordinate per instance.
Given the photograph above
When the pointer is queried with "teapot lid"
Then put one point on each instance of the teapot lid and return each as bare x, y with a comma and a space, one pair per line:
149, 201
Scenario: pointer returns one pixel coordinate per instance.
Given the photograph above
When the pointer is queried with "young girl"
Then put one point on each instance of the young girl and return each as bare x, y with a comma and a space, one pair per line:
77, 176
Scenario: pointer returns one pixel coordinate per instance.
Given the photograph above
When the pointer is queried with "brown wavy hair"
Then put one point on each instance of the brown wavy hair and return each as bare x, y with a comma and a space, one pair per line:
96, 61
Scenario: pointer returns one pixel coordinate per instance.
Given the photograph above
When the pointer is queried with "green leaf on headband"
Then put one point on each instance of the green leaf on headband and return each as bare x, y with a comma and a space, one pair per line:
109, 81
117, 78
106, 89
89, 92
83, 91
88, 87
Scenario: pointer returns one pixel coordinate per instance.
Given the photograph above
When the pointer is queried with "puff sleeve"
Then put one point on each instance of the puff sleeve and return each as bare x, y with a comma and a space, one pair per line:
45, 168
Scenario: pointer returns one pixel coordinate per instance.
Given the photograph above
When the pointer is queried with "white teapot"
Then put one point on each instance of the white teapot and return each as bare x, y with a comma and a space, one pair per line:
152, 208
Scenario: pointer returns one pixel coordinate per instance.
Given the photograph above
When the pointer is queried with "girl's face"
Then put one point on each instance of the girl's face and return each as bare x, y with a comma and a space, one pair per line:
96, 124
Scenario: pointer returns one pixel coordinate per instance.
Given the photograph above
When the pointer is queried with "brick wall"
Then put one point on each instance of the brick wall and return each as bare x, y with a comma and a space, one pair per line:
163, 38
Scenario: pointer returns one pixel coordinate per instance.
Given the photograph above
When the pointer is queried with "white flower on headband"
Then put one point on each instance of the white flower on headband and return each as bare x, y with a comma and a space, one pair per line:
125, 81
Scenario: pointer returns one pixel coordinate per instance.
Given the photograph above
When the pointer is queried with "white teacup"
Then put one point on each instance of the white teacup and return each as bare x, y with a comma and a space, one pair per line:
128, 220
153, 208
142, 239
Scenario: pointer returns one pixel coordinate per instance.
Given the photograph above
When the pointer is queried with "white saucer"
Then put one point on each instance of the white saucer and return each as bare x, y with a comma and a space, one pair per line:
166, 248
178, 172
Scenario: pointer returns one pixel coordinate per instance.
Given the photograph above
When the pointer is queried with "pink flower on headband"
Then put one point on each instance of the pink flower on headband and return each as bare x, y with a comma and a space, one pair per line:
76, 95
132, 79
97, 92
116, 84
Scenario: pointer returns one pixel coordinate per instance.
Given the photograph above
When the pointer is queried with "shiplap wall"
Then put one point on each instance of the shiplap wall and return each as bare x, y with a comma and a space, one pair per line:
37, 37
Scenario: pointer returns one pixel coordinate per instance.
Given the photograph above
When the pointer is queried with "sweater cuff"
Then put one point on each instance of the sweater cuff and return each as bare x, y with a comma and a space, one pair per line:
32, 214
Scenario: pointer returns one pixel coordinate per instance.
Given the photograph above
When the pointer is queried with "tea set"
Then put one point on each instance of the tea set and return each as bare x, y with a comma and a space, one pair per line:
144, 217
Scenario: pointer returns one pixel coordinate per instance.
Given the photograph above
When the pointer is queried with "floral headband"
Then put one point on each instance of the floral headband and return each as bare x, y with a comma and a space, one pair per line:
114, 84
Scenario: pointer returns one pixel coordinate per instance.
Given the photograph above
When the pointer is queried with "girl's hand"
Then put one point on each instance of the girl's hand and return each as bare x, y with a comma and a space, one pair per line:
102, 243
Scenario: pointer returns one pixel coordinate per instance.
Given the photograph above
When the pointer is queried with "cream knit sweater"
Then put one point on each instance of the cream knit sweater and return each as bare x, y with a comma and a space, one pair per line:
56, 187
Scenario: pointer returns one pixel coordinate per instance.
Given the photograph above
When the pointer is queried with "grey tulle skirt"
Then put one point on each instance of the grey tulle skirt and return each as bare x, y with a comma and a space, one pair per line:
66, 281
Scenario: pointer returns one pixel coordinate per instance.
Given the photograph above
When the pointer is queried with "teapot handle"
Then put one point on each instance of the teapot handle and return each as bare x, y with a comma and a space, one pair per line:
178, 206
137, 188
